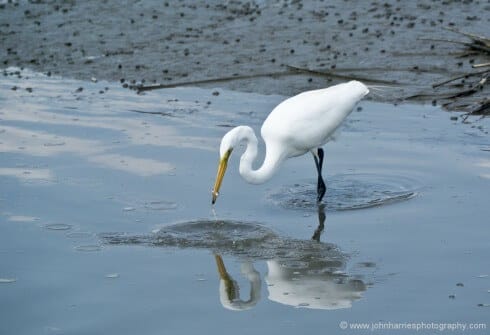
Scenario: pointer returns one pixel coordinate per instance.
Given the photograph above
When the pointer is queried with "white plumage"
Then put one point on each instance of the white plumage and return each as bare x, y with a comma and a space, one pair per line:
297, 125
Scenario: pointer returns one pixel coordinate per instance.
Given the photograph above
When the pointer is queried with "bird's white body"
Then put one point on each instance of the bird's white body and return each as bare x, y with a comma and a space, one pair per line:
307, 120
297, 125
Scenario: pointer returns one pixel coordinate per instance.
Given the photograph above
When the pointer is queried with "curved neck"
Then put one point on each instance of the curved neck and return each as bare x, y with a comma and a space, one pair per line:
273, 159
229, 291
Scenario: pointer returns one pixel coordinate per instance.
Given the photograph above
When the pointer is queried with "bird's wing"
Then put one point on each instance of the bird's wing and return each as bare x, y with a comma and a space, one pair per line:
307, 120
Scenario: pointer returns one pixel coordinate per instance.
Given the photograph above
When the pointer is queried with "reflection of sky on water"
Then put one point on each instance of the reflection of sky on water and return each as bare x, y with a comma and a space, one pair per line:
27, 174
60, 119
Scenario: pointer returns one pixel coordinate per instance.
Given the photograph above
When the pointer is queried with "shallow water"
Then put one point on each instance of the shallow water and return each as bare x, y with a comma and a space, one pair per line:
106, 222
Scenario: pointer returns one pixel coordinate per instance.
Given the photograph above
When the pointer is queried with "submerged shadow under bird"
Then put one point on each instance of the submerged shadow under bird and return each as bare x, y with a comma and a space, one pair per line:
300, 273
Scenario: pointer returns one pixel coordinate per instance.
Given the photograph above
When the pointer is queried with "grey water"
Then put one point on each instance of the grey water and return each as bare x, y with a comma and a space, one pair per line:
106, 224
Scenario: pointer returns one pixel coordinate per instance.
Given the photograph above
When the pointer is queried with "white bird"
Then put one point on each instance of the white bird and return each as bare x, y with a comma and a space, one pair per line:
297, 125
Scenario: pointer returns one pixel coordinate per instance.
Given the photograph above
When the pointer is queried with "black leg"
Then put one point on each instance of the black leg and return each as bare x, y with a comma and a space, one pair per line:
321, 223
321, 188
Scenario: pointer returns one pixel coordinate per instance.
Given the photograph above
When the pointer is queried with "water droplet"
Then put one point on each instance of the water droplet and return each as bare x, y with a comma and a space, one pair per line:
52, 329
58, 226
22, 218
161, 205
367, 264
88, 248
54, 144
112, 275
7, 280
79, 234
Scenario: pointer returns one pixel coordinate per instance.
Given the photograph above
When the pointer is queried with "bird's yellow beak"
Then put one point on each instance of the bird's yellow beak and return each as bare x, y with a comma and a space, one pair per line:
223, 163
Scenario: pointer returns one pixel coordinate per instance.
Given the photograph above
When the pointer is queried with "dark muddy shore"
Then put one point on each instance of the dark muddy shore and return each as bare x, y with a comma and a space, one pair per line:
279, 47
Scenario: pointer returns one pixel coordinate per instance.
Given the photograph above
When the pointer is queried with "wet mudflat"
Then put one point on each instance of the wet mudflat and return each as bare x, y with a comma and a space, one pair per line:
256, 46
106, 222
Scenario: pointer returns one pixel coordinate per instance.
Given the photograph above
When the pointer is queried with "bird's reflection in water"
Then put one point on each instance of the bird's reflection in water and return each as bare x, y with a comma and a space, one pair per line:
300, 273
321, 223
229, 291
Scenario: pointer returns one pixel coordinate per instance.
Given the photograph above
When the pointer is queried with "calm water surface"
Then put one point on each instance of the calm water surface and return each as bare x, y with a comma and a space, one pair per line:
106, 224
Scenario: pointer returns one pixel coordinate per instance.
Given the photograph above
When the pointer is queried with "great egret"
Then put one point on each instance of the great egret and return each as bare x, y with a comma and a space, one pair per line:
297, 125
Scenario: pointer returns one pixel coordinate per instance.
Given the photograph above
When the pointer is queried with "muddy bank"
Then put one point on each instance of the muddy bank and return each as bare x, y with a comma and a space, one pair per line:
279, 47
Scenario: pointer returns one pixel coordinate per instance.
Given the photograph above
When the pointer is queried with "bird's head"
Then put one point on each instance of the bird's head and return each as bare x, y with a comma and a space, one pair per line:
230, 141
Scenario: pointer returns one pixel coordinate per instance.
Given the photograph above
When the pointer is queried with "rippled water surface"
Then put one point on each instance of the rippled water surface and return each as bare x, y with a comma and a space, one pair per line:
106, 224
348, 192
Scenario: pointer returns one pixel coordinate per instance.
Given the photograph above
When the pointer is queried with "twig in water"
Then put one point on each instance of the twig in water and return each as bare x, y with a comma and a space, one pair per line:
483, 109
480, 65
471, 90
466, 75
476, 38
340, 76
141, 88
475, 46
